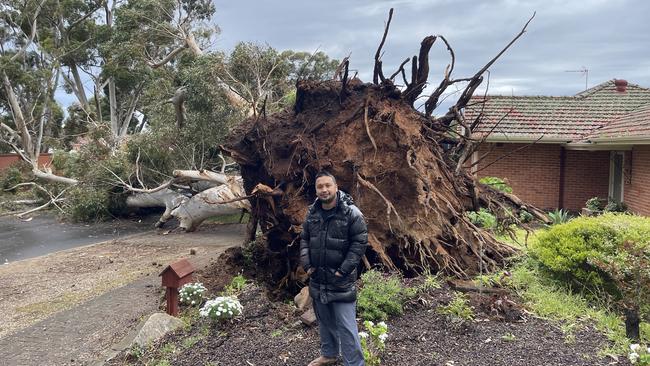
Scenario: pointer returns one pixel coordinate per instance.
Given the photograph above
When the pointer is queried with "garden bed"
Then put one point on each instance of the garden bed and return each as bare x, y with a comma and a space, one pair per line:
269, 333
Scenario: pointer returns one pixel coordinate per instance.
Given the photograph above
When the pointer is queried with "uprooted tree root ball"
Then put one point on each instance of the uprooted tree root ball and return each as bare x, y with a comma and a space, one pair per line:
389, 157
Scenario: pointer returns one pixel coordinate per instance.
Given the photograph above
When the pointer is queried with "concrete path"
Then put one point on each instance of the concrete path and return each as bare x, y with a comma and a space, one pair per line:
86, 333
81, 335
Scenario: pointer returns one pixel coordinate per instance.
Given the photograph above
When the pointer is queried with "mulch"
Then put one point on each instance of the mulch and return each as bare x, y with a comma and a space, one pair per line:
270, 333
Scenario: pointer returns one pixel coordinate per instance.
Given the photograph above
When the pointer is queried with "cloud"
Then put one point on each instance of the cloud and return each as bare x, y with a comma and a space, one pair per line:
608, 38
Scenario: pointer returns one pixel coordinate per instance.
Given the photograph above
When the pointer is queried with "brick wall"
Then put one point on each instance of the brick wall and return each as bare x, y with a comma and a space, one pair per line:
586, 176
6, 160
636, 190
533, 173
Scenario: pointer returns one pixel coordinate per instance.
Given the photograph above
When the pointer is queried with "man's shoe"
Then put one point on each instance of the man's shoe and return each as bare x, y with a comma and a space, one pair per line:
323, 361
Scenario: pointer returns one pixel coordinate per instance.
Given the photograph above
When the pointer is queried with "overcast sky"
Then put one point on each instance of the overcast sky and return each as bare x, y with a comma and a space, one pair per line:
609, 38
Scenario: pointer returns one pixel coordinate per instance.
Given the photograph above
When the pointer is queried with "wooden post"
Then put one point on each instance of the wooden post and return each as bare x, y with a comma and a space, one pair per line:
172, 301
174, 276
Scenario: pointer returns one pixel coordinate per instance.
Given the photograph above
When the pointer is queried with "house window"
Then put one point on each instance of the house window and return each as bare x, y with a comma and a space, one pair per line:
616, 166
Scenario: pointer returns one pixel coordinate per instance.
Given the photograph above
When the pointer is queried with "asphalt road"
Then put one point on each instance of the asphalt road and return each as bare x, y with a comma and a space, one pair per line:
44, 234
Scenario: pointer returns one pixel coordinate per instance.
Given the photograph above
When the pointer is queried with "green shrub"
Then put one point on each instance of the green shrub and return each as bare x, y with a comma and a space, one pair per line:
87, 204
482, 218
458, 310
613, 206
604, 252
10, 177
595, 204
559, 216
496, 183
236, 285
525, 216
67, 163
382, 296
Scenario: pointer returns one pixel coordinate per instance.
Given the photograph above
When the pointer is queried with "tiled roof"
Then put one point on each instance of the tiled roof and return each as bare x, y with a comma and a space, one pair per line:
557, 118
634, 125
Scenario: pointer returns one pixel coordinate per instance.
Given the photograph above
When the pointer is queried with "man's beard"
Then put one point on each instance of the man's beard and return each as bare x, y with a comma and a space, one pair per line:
328, 200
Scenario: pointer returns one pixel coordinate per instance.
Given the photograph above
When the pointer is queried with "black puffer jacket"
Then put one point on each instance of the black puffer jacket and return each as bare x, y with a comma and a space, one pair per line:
334, 244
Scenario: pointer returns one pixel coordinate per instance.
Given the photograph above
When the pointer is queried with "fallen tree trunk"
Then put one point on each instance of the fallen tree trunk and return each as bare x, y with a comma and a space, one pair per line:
167, 198
192, 210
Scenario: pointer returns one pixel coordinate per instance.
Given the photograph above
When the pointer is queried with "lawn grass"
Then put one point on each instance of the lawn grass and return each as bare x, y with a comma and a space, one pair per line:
550, 299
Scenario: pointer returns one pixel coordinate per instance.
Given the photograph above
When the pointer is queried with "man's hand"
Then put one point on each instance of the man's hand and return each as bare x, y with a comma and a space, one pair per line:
338, 274
311, 271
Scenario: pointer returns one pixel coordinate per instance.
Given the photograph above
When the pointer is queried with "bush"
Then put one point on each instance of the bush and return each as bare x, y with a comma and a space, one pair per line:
610, 252
222, 308
373, 342
382, 296
482, 218
613, 206
496, 183
595, 204
236, 285
87, 204
458, 310
559, 216
192, 294
525, 216
10, 177
67, 163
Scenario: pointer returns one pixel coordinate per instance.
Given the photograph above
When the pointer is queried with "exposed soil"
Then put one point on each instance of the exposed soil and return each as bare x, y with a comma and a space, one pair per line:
269, 333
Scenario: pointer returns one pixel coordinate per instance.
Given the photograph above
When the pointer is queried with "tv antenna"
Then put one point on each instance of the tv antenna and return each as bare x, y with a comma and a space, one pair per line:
584, 71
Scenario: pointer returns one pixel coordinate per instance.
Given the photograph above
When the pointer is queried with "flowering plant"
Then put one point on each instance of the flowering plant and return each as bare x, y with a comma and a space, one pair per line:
222, 308
639, 355
192, 294
373, 341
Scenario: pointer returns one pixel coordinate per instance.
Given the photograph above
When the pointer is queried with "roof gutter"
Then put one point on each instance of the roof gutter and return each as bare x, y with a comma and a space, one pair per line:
586, 146
543, 140
621, 140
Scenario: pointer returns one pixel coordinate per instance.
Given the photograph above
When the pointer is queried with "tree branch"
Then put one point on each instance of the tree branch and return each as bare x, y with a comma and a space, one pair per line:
166, 59
377, 72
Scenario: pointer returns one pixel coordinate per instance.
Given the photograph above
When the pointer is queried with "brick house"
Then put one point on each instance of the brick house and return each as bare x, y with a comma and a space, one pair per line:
557, 152
7, 160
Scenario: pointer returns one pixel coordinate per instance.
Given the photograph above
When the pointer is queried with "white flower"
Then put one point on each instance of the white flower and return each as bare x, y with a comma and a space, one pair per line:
371, 323
363, 334
635, 347
193, 302
382, 337
383, 325
633, 357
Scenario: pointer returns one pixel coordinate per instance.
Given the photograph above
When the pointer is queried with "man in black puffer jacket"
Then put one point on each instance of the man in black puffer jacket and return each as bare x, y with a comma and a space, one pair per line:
333, 240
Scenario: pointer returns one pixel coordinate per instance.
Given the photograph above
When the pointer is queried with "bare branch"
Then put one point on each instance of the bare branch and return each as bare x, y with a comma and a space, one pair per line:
377, 73
197, 175
419, 72
476, 79
400, 69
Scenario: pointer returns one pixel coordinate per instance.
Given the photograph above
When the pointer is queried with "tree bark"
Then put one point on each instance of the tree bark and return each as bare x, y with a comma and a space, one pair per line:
166, 198
193, 211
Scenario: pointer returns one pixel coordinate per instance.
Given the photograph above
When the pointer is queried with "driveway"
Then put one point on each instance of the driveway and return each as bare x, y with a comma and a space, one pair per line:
45, 234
